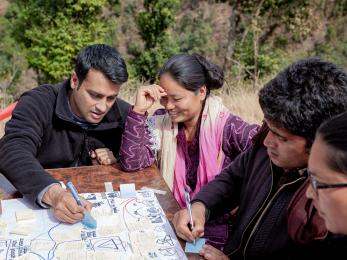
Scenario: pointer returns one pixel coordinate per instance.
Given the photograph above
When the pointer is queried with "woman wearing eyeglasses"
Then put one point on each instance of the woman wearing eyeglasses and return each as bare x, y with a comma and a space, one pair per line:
328, 173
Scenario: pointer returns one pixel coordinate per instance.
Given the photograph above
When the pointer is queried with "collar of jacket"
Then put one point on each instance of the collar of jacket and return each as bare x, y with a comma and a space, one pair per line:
112, 119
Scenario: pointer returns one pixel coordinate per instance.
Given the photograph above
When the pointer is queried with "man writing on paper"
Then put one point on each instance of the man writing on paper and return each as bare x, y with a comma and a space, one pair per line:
77, 122
268, 181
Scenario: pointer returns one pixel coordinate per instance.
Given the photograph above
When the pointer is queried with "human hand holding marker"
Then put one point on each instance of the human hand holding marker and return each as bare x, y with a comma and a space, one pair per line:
87, 220
63, 204
189, 207
182, 219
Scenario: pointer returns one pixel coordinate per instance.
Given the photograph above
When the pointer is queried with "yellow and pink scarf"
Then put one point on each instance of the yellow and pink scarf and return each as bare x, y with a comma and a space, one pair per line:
211, 156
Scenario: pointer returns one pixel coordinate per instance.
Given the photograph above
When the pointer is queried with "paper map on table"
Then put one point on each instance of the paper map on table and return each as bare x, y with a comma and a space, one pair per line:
132, 228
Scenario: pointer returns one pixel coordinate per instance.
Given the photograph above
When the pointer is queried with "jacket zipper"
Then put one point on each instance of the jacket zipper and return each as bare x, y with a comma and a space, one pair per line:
76, 163
264, 211
255, 213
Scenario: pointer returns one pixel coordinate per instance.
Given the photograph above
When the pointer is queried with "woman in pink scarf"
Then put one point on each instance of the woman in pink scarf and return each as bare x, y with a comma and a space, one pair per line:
194, 136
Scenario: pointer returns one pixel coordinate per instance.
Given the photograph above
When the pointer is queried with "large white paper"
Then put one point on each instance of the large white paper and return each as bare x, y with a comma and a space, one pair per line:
132, 228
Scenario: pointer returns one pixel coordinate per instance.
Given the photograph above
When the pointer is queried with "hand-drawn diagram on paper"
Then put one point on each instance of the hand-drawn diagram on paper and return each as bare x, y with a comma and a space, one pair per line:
132, 228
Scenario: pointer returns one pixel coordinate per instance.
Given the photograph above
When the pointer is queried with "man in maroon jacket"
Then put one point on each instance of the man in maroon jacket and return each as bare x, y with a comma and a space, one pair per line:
264, 180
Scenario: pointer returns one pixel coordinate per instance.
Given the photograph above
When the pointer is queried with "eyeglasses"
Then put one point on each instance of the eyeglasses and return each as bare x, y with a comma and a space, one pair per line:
316, 185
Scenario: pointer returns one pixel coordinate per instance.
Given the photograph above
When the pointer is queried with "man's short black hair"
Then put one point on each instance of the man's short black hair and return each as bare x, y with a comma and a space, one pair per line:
303, 95
103, 58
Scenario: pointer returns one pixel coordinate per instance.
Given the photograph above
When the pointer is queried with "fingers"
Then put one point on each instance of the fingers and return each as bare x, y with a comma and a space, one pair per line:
65, 208
63, 204
198, 212
62, 217
198, 231
146, 96
92, 154
87, 204
104, 156
199, 226
211, 253
181, 221
154, 91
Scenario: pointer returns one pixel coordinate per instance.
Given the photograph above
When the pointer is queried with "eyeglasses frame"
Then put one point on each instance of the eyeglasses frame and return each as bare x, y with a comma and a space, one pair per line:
316, 185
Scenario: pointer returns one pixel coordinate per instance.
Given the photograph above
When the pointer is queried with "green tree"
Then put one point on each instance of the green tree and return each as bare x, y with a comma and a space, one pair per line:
52, 32
153, 25
195, 33
252, 26
11, 66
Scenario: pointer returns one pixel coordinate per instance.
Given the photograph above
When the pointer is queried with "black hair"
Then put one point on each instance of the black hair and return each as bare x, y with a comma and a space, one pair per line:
333, 133
194, 71
303, 95
103, 58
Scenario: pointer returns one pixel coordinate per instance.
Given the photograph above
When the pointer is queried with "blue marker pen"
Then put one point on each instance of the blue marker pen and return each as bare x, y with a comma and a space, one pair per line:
189, 206
87, 220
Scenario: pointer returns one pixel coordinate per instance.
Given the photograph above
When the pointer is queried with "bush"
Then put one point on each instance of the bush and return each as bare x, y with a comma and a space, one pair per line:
159, 45
52, 34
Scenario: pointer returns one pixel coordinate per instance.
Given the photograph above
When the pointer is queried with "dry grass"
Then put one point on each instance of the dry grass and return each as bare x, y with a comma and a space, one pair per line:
2, 127
242, 101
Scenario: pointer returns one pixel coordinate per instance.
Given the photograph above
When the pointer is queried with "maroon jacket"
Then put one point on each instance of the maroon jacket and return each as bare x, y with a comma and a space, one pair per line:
261, 231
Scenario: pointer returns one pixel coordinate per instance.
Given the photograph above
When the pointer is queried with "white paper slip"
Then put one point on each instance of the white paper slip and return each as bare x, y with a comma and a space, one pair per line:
108, 186
161, 192
25, 215
127, 190
21, 230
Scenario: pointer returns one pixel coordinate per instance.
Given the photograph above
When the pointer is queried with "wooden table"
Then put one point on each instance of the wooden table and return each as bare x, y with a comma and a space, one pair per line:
92, 179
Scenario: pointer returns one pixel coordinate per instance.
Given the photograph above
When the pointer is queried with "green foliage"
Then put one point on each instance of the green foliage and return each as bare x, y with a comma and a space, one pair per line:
340, 8
149, 61
334, 47
194, 35
158, 17
153, 25
53, 34
12, 63
268, 35
267, 61
115, 6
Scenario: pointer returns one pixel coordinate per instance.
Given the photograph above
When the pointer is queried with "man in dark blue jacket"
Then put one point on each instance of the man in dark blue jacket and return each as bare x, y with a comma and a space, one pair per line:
77, 122
267, 182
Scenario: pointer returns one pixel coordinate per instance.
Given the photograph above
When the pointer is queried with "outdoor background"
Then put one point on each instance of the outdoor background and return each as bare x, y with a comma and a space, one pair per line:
251, 40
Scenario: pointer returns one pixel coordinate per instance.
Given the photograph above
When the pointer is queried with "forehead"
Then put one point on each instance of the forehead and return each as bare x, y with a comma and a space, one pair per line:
317, 153
320, 153
171, 86
97, 82
276, 128
283, 132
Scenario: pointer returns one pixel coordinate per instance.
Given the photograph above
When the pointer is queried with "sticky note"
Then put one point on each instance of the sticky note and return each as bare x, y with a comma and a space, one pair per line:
161, 192
108, 187
3, 229
21, 230
25, 215
191, 248
127, 190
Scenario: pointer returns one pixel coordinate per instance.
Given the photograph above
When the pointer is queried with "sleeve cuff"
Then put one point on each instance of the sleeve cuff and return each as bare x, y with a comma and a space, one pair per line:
40, 196
207, 210
135, 114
